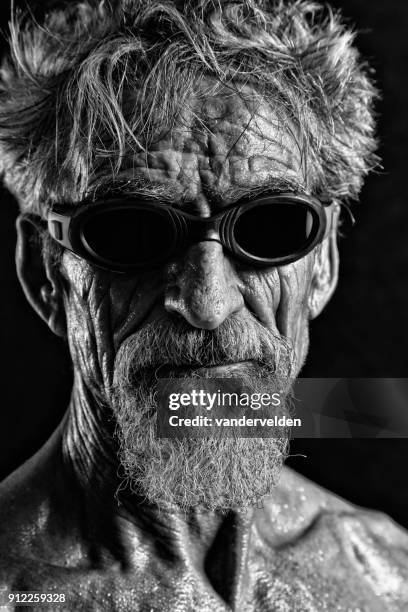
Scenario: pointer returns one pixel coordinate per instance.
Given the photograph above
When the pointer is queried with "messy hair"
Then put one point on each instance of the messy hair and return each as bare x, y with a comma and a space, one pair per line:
67, 83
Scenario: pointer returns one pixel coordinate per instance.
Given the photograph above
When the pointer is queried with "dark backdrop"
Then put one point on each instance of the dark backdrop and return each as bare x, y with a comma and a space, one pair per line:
363, 332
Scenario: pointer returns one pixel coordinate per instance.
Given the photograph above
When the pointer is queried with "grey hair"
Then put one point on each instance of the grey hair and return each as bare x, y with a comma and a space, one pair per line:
67, 83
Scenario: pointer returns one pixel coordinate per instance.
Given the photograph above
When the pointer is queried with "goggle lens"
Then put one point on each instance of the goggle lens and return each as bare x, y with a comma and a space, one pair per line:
128, 236
274, 230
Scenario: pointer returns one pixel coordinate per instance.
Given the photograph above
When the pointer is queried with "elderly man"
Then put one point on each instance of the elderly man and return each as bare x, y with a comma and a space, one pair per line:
179, 169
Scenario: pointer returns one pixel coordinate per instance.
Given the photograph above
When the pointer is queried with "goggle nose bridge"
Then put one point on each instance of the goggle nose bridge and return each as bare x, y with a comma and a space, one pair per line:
217, 228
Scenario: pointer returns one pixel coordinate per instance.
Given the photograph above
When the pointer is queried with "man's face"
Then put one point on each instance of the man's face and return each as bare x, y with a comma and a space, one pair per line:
200, 314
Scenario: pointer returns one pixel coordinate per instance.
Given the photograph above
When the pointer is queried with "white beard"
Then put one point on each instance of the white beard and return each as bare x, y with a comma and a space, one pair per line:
220, 473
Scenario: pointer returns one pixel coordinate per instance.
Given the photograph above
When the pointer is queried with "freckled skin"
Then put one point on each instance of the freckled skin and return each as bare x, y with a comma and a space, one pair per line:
66, 533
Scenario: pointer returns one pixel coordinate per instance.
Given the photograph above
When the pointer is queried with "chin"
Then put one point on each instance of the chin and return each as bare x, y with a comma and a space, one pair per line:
216, 473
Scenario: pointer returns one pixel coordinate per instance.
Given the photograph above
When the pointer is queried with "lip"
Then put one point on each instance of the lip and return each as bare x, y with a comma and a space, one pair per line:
222, 370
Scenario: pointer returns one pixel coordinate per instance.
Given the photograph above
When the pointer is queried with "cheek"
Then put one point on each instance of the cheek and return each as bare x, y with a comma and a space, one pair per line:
102, 310
278, 297
87, 311
261, 290
295, 283
292, 314
132, 302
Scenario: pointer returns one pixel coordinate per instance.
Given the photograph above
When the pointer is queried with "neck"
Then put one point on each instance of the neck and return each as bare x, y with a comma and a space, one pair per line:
88, 442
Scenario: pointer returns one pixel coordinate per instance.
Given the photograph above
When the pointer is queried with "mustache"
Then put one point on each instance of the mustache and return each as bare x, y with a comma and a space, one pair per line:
174, 342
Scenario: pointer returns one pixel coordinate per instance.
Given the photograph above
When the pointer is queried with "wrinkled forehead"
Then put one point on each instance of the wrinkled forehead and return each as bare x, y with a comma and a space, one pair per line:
225, 146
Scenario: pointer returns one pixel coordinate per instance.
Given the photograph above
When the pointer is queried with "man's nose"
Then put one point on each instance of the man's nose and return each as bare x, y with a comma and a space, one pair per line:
203, 286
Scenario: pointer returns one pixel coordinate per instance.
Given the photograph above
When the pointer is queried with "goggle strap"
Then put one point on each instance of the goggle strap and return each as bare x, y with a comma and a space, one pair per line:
58, 227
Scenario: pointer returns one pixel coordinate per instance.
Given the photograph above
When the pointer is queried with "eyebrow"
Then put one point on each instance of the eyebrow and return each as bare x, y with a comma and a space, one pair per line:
150, 190
269, 186
136, 187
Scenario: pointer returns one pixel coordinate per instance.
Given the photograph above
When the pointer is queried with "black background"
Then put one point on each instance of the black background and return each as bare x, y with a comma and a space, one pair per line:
363, 331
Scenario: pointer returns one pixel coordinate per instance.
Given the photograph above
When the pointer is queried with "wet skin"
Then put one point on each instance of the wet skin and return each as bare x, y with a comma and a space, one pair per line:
67, 532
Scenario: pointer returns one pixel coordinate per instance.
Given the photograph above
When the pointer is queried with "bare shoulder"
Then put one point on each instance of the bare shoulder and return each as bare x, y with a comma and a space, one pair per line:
21, 505
23, 501
338, 542
34, 535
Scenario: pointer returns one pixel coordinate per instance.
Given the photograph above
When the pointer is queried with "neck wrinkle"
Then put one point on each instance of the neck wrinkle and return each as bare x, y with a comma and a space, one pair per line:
88, 442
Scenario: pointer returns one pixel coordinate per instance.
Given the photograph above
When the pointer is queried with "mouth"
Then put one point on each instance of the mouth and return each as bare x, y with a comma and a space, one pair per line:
213, 371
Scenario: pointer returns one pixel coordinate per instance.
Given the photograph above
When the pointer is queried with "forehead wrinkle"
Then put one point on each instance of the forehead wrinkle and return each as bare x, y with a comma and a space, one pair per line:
282, 130
131, 183
249, 107
256, 147
245, 151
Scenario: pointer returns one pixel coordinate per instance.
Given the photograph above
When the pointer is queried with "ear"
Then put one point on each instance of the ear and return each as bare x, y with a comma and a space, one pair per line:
326, 269
39, 279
